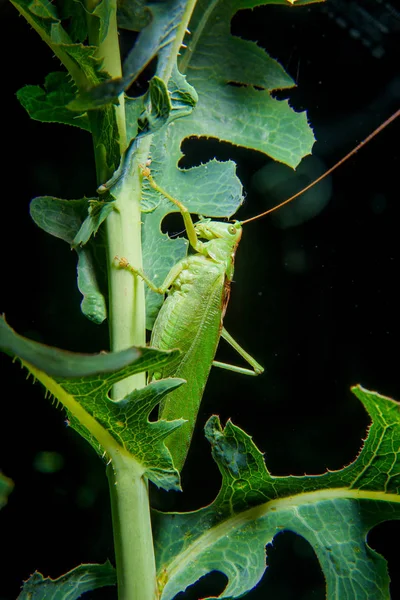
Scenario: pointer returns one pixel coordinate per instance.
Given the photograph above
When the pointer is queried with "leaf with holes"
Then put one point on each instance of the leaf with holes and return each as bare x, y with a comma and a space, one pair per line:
333, 512
70, 586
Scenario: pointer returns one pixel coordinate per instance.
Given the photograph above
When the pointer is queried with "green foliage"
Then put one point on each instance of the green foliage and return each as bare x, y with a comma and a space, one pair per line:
234, 90
79, 59
69, 220
81, 384
70, 586
49, 103
216, 86
333, 512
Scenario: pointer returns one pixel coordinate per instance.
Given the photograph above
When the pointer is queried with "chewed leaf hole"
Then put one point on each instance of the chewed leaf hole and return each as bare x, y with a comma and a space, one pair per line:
211, 585
200, 150
380, 539
293, 570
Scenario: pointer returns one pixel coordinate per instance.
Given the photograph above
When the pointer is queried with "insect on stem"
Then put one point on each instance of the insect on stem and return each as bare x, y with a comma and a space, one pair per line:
329, 171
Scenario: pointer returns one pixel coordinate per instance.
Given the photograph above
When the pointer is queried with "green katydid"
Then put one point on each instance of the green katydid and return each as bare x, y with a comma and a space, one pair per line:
191, 317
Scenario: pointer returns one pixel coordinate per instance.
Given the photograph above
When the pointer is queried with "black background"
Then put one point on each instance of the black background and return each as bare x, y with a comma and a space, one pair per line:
317, 329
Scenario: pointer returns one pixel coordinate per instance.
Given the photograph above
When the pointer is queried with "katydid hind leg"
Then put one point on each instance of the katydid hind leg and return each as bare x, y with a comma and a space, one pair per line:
235, 369
257, 369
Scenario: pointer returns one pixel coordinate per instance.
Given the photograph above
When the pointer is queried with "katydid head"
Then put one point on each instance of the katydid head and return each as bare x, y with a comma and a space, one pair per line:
328, 172
223, 239
211, 230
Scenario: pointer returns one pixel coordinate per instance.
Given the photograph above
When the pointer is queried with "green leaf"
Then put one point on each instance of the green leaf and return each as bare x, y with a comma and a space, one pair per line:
44, 9
49, 103
159, 106
97, 96
101, 12
69, 221
82, 64
92, 278
58, 217
255, 119
157, 38
158, 25
333, 512
98, 213
6, 487
81, 383
62, 363
69, 586
80, 61
133, 14
235, 88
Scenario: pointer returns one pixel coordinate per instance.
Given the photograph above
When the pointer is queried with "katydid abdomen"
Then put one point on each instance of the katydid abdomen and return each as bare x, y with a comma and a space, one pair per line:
191, 320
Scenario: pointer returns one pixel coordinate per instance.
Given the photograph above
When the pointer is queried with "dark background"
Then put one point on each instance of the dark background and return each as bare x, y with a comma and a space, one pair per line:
316, 304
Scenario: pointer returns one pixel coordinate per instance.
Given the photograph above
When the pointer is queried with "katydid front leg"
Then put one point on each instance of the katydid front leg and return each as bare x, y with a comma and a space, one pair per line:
187, 219
164, 287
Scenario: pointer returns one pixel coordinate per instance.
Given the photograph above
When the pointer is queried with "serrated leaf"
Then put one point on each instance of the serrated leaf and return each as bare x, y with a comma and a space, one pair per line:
157, 37
6, 487
84, 56
79, 60
83, 65
81, 383
70, 586
333, 512
65, 219
49, 103
239, 114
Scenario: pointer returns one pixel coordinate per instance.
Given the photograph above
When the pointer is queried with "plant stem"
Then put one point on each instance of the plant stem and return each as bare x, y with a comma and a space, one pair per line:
134, 551
126, 293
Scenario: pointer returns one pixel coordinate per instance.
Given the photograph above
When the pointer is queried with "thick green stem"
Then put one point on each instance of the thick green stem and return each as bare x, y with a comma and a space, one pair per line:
134, 551
127, 305
126, 294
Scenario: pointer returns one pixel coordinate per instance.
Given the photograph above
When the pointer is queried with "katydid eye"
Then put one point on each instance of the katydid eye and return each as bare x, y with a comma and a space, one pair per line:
232, 229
